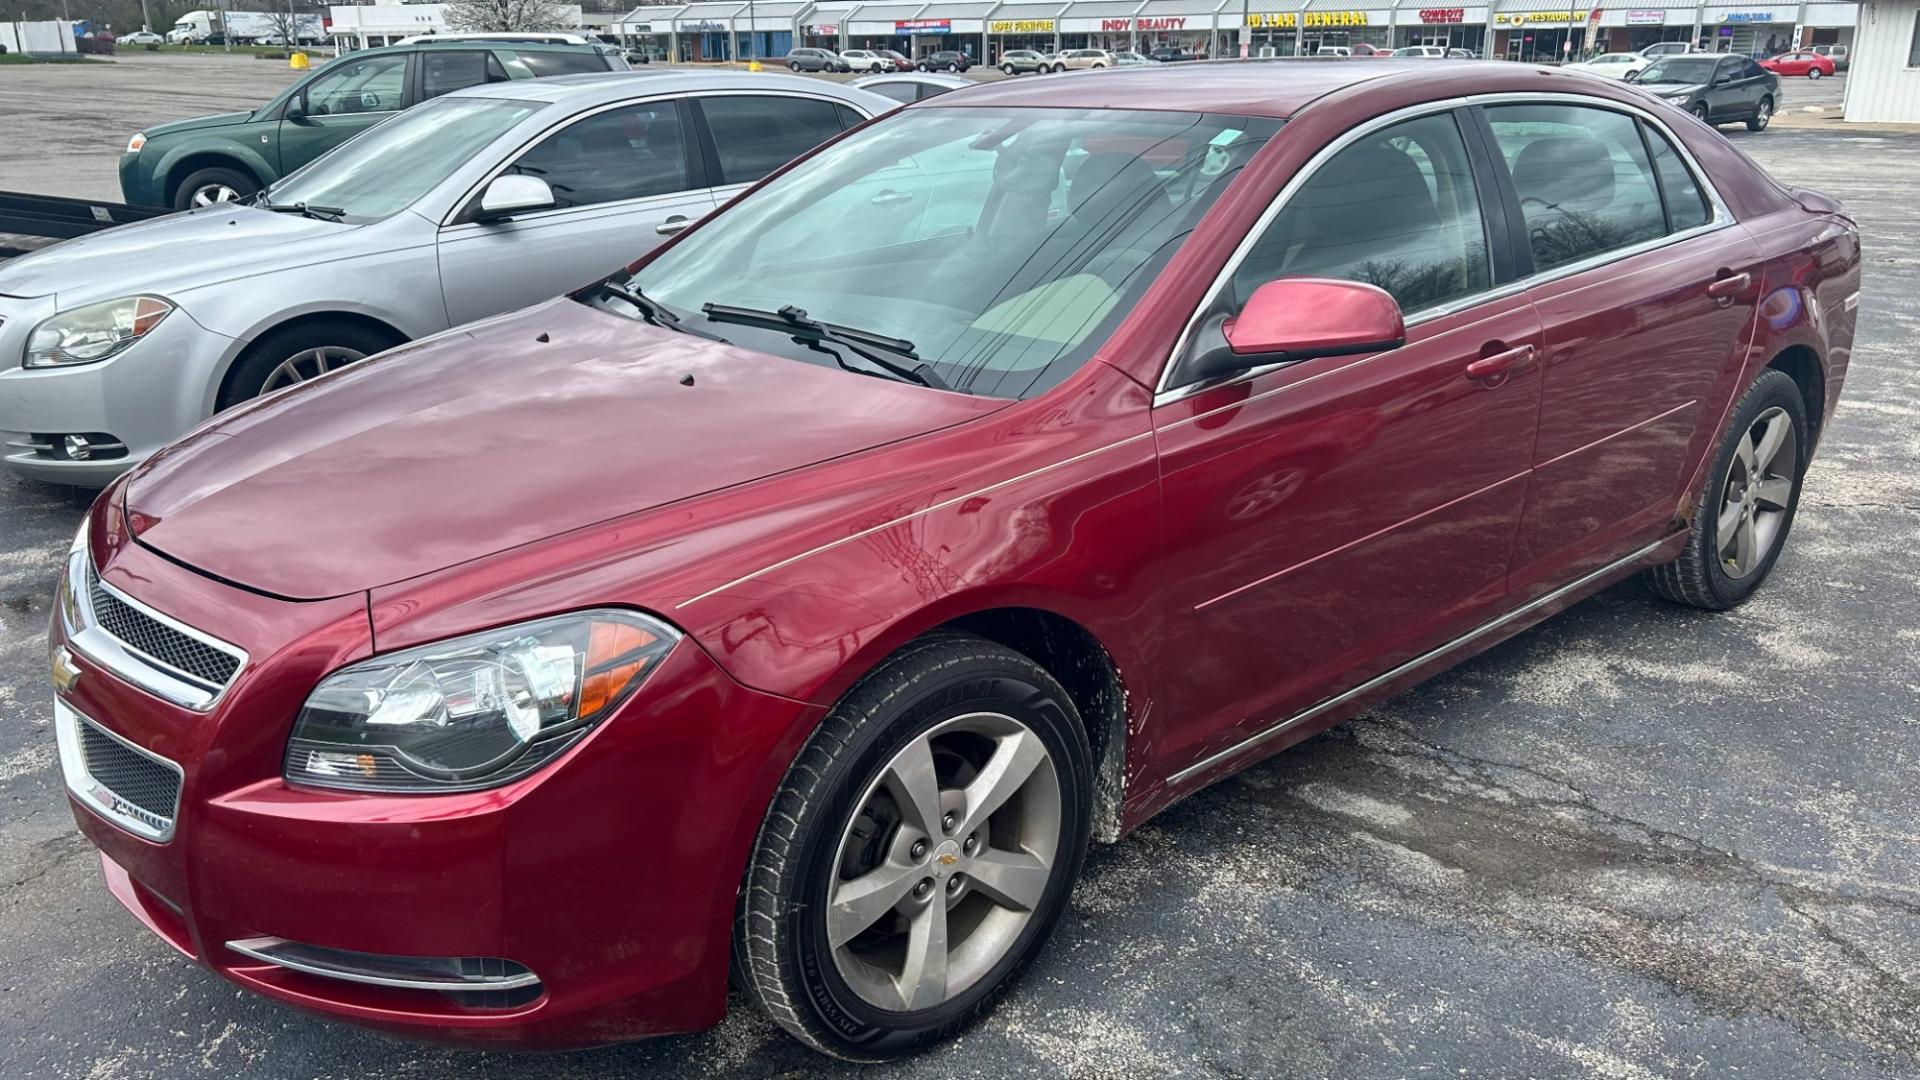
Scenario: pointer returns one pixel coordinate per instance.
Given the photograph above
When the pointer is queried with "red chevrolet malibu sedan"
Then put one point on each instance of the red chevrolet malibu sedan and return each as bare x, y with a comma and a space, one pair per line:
803, 600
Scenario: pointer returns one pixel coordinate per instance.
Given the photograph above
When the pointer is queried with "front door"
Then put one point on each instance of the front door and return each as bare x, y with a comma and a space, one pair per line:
623, 180
1647, 303
1330, 519
345, 99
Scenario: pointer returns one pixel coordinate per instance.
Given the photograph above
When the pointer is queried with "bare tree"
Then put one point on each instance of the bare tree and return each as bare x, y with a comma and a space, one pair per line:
507, 15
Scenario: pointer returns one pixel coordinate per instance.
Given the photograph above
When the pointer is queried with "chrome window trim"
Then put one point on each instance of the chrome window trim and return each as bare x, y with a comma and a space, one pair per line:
1164, 393
258, 949
148, 673
447, 220
81, 784
1424, 658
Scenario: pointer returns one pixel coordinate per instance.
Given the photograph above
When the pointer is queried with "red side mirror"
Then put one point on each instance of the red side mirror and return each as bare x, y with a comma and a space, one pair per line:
1301, 318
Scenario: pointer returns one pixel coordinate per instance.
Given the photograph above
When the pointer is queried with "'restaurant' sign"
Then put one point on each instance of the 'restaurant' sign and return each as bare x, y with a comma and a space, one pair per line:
1288, 19
1021, 26
923, 26
1443, 15
1538, 18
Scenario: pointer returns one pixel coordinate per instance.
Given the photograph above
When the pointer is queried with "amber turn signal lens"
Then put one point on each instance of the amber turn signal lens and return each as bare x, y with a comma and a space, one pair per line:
617, 654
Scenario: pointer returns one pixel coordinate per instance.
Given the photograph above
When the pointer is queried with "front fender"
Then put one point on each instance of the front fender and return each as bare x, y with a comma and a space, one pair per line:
178, 159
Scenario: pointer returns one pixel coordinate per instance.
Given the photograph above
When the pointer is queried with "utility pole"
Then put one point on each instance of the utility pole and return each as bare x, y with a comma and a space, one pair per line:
1246, 30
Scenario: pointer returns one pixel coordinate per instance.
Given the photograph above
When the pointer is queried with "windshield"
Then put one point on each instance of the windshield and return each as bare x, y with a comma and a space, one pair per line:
395, 163
1683, 70
1004, 244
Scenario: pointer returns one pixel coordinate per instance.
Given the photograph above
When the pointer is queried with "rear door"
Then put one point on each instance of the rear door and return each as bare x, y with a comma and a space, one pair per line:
442, 71
1646, 290
747, 136
347, 97
624, 178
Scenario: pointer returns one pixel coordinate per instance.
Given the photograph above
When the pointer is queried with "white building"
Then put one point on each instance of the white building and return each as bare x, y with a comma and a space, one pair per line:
1884, 82
383, 22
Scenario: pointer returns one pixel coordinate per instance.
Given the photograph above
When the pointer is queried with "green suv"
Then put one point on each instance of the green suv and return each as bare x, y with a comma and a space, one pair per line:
229, 156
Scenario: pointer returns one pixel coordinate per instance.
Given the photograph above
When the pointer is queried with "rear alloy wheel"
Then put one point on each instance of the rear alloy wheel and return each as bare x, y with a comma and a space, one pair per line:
211, 187
298, 354
1058, 68
794, 66
1761, 115
919, 852
1008, 68
1813, 73
1747, 507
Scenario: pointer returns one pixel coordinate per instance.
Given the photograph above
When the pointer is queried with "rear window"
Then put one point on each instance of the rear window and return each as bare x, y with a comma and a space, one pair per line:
545, 63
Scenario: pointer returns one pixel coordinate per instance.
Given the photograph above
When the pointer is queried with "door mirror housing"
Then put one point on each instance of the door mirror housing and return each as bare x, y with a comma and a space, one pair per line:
514, 194
1301, 318
297, 109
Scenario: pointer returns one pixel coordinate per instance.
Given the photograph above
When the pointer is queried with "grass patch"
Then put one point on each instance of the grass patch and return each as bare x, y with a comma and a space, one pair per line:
267, 52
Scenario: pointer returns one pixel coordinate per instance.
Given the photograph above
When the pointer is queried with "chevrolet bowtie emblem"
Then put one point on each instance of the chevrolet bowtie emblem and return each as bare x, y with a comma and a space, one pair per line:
65, 675
948, 860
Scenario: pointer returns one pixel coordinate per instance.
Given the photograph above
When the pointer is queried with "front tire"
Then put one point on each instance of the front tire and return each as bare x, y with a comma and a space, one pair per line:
297, 354
213, 186
919, 852
1763, 113
1746, 508
1008, 68
1700, 113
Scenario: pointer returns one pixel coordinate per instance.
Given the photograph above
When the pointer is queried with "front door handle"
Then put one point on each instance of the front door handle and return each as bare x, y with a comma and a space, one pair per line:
1728, 286
890, 197
673, 225
1497, 365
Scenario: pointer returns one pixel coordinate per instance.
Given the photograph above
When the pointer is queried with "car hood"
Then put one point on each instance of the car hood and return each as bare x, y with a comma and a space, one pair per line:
1671, 89
494, 435
197, 123
178, 251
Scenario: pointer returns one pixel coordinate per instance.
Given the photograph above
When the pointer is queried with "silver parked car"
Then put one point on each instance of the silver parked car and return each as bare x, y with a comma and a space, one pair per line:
907, 87
478, 202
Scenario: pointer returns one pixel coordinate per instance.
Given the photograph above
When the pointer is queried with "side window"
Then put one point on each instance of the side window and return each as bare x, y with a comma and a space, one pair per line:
898, 91
1583, 178
540, 65
1751, 70
367, 86
1397, 209
1729, 69
626, 153
1686, 205
755, 135
445, 72
849, 119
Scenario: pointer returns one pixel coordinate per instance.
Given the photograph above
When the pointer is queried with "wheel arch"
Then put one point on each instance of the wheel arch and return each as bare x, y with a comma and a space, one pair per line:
393, 334
1802, 364
236, 158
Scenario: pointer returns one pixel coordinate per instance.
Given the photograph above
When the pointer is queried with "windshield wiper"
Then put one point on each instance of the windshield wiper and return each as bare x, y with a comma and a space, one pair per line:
654, 311
861, 343
320, 213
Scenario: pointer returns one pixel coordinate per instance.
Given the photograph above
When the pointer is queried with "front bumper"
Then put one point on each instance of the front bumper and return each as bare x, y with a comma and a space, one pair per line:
144, 398
610, 874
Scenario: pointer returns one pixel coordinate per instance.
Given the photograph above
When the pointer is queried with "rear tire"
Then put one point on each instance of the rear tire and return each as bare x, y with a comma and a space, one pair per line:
1762, 115
212, 186
855, 819
1058, 68
1745, 510
794, 67
296, 354
1813, 73
1008, 68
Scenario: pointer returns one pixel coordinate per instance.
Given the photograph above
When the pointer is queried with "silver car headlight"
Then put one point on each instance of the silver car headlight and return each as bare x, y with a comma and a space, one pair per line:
473, 712
90, 334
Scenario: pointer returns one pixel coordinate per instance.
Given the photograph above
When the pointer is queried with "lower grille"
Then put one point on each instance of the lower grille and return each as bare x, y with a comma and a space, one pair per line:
134, 789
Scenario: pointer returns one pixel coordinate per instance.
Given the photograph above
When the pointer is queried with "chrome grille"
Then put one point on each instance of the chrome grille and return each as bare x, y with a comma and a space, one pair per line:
131, 787
155, 641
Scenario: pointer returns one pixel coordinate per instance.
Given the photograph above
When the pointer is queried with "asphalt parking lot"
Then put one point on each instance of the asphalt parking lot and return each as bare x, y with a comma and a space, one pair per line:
1635, 842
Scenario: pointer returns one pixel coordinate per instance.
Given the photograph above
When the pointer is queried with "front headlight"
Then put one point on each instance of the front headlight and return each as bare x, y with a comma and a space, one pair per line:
473, 712
90, 334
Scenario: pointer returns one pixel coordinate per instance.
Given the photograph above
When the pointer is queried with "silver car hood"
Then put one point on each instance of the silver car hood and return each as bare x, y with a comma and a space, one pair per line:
179, 251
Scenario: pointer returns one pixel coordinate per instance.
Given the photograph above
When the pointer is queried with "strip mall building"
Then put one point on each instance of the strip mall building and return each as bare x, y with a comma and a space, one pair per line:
1514, 29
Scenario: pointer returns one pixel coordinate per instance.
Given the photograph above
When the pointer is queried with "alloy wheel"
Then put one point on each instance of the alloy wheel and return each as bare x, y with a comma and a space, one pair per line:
1759, 493
212, 194
944, 862
309, 364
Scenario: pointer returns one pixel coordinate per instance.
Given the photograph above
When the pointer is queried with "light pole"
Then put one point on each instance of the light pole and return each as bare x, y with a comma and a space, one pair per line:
1246, 30
753, 47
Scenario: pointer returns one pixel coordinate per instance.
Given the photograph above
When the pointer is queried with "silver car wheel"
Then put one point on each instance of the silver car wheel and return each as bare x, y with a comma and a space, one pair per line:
975, 811
309, 364
1759, 492
211, 194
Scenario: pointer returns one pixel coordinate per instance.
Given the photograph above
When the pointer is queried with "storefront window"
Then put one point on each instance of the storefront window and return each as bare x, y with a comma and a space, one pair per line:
1913, 46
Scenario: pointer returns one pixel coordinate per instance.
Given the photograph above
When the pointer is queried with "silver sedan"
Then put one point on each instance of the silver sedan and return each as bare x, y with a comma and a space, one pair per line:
476, 203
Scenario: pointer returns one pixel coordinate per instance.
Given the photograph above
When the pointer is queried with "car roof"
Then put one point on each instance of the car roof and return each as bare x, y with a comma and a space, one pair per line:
598, 87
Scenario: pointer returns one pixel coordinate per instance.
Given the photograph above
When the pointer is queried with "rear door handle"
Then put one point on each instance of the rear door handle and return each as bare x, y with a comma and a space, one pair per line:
673, 225
1500, 363
1728, 287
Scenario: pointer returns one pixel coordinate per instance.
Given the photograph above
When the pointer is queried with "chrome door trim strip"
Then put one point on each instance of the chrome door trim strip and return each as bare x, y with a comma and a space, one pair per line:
256, 948
1722, 218
1617, 434
1374, 535
1424, 658
903, 518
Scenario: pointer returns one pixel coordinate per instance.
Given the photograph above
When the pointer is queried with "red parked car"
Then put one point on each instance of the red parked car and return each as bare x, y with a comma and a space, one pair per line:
1812, 65
807, 597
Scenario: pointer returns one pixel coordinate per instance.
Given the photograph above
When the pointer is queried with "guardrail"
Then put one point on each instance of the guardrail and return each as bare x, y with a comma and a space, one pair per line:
51, 215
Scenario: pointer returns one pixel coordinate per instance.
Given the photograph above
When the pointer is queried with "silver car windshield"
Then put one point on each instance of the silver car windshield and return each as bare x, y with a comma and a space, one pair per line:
385, 170
1002, 244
